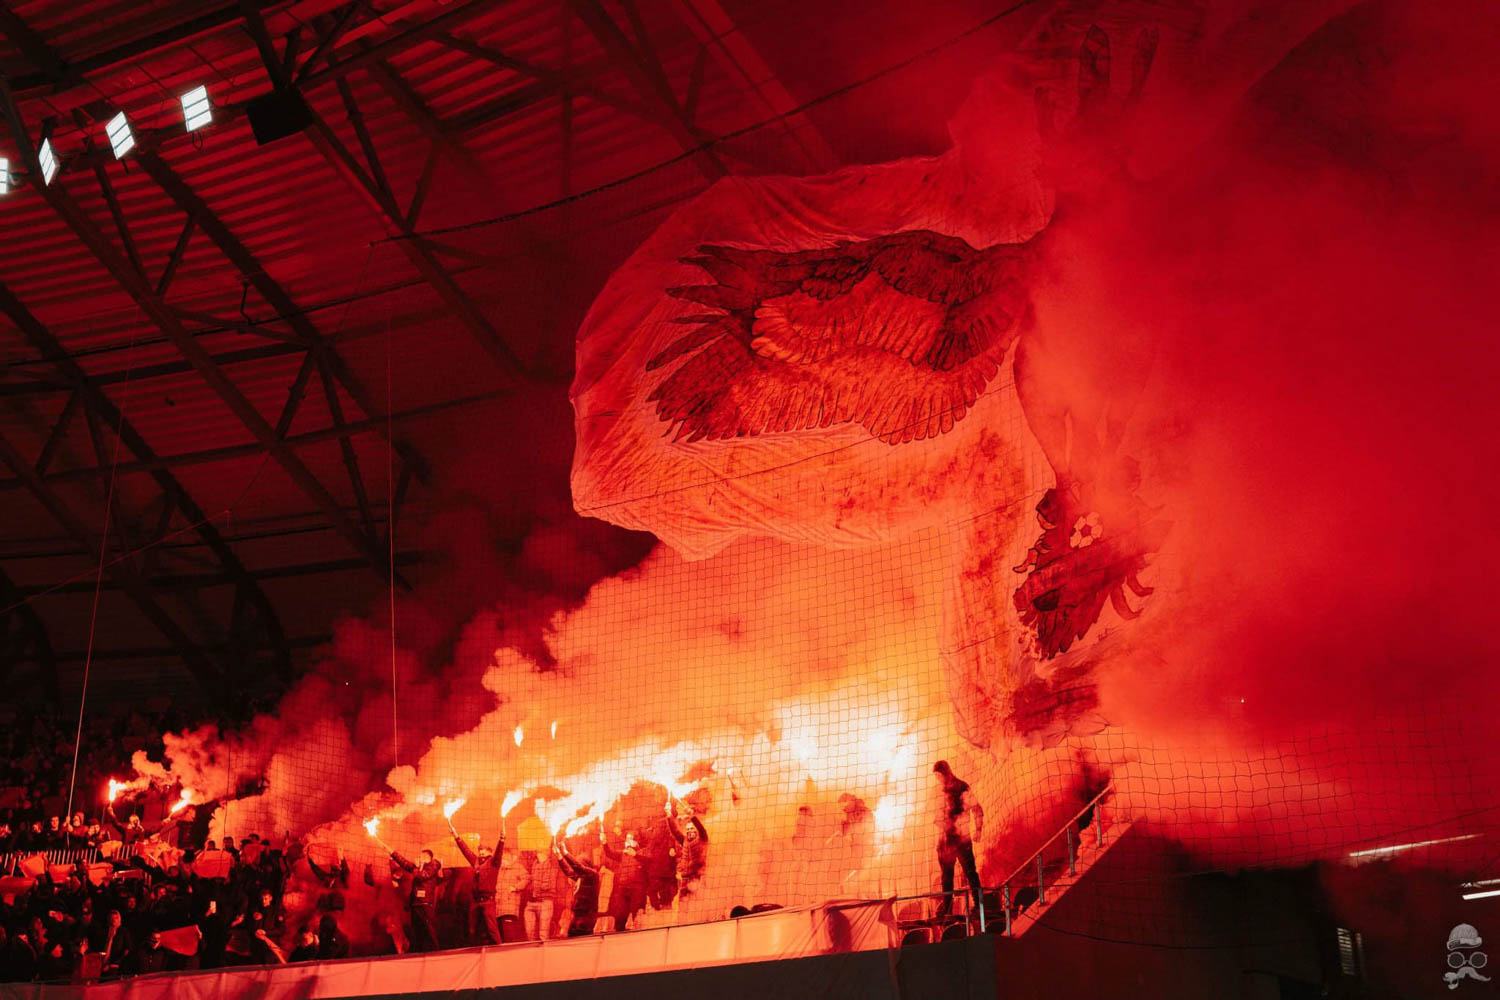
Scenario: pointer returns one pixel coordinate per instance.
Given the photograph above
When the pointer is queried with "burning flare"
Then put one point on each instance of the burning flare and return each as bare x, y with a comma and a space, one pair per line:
452, 806
554, 729
115, 788
372, 826
520, 734
185, 800
511, 799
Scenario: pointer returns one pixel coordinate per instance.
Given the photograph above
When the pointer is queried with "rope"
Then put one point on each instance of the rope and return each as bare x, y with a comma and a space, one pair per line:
109, 500
390, 537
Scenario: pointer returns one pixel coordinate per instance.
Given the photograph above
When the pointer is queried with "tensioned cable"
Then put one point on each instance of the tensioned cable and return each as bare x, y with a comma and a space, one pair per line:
390, 538
109, 500
710, 143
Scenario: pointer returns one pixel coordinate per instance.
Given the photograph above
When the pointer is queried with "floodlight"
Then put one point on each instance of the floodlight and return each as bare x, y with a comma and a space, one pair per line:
48, 161
4, 175
121, 140
196, 110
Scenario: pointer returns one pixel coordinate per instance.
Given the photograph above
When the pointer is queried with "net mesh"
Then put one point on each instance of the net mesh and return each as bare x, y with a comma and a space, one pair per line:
792, 697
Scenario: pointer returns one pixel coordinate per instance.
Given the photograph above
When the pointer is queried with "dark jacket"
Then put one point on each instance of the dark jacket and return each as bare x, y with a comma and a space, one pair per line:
424, 879
486, 876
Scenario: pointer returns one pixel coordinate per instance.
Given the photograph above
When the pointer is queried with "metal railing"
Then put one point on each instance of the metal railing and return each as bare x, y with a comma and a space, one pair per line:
68, 856
1039, 858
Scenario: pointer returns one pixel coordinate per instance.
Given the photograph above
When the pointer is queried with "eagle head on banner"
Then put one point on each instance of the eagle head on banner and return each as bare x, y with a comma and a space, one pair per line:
845, 359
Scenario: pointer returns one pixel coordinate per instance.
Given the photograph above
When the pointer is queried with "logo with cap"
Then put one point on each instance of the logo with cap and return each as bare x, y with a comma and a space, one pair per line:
1464, 957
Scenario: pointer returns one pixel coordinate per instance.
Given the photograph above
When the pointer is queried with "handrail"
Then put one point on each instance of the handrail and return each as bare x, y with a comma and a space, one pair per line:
1062, 831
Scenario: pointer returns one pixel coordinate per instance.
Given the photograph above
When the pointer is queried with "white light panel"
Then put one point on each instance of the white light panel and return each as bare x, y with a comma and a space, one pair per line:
4, 175
196, 110
48, 161
121, 140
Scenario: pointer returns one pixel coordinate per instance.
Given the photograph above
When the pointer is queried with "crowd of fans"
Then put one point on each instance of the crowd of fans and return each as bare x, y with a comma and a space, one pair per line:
128, 887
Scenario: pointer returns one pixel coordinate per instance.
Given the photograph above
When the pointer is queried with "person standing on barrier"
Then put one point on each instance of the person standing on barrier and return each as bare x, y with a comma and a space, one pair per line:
961, 823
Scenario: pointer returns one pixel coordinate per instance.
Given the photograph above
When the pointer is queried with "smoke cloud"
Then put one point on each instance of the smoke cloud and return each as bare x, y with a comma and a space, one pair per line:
1301, 288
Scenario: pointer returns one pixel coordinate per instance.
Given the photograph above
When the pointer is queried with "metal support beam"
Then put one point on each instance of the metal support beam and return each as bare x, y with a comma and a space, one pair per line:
59, 431
93, 399
399, 43
646, 75
328, 41
479, 327
346, 450
24, 638
200, 581
355, 428
174, 260
271, 291
56, 195
193, 656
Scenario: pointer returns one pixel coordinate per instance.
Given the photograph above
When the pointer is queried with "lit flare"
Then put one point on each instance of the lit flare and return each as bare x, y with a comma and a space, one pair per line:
452, 806
181, 803
519, 734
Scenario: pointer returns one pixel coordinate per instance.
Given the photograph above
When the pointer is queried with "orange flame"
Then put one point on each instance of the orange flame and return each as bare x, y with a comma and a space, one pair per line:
185, 800
511, 799
115, 788
519, 734
452, 806
372, 826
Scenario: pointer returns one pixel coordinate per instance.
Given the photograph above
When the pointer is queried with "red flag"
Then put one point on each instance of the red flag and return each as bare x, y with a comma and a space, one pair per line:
182, 940
15, 885
213, 864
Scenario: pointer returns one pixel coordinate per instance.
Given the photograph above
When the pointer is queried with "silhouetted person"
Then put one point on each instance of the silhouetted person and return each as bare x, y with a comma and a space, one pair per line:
332, 942
484, 913
692, 847
423, 898
585, 878
962, 820
629, 892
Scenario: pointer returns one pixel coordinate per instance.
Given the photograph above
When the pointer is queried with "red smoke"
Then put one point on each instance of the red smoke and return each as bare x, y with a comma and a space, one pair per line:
1304, 286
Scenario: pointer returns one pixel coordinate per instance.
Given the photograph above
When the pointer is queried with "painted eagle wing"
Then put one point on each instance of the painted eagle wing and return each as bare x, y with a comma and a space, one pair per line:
899, 334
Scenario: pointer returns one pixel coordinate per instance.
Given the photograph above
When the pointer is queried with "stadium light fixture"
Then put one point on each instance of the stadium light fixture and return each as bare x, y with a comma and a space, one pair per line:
196, 109
121, 139
1396, 848
47, 160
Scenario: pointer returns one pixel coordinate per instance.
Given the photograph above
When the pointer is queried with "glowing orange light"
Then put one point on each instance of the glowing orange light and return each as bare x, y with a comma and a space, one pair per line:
511, 798
115, 788
372, 826
185, 800
554, 729
519, 734
452, 806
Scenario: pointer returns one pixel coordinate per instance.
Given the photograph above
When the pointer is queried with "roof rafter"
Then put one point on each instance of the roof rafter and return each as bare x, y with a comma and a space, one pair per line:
166, 321
95, 403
